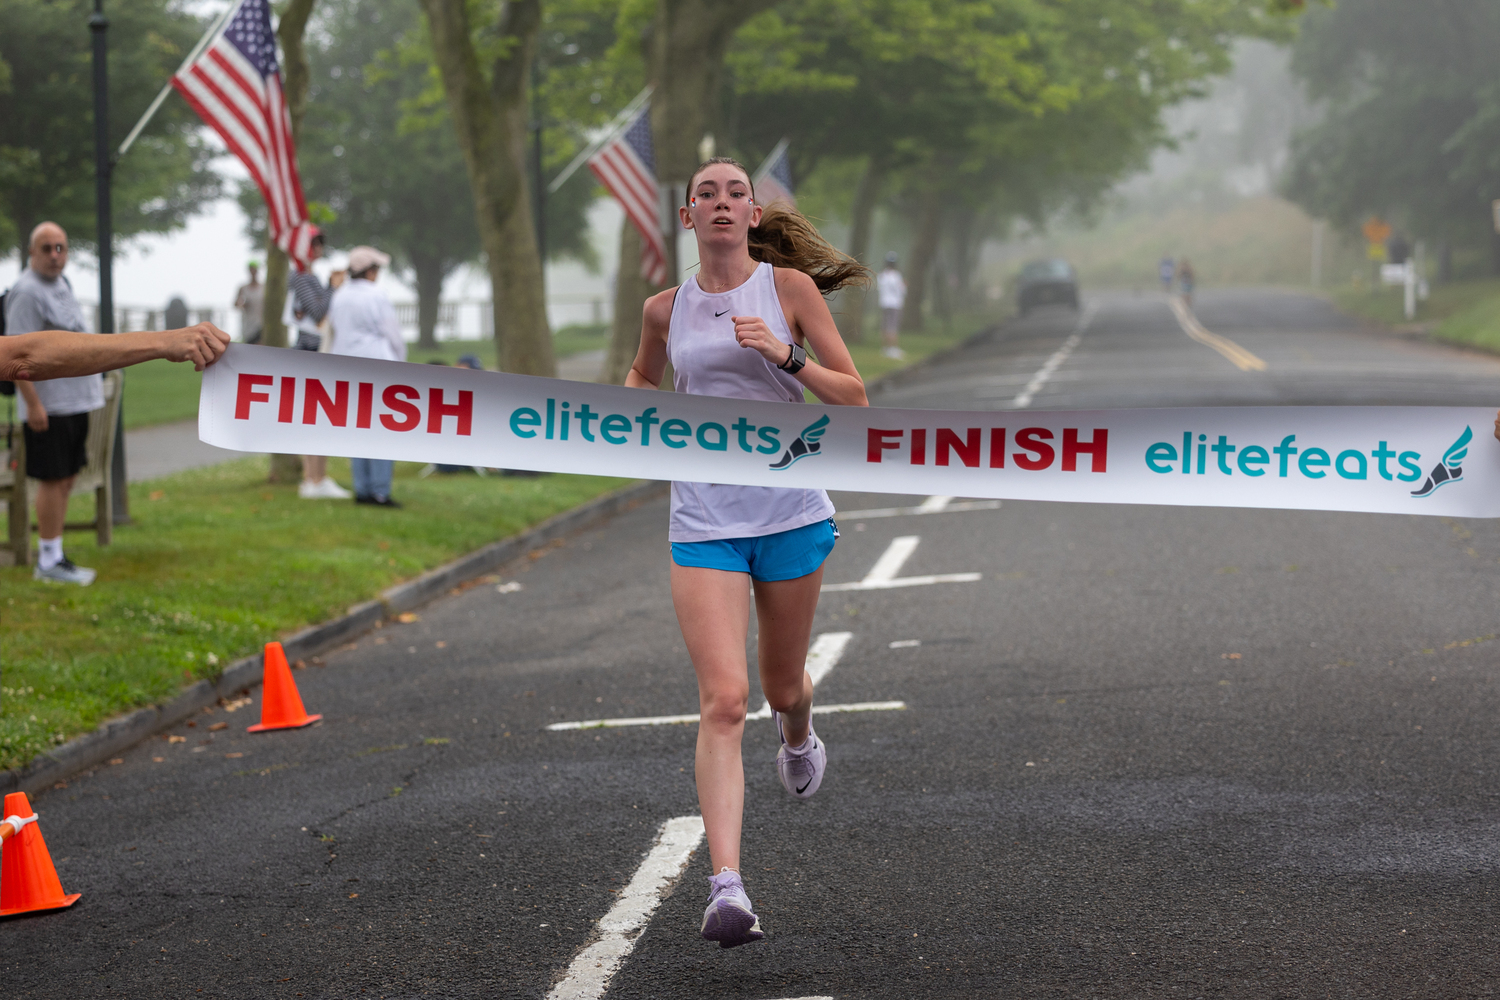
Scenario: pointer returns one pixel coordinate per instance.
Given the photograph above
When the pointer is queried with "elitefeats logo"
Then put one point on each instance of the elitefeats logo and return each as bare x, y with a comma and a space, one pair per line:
1450, 469
805, 445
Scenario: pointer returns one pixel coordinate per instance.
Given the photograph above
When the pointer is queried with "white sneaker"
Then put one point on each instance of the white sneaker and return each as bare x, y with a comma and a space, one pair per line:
800, 770
65, 572
323, 489
894, 353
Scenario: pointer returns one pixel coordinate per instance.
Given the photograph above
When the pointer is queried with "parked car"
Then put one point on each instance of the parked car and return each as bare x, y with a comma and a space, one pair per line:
1046, 282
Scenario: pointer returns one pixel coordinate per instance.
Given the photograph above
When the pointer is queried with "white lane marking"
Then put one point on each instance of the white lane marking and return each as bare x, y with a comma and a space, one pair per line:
882, 575
618, 930
904, 581
905, 644
952, 508
674, 720
892, 559
1237, 355
1053, 363
933, 505
826, 651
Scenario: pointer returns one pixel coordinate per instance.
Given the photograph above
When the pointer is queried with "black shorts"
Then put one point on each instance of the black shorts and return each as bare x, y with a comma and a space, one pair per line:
59, 451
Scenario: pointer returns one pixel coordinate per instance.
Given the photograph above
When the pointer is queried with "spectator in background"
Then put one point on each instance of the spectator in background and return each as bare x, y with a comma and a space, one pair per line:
1186, 279
891, 289
56, 412
364, 325
309, 305
1166, 268
249, 299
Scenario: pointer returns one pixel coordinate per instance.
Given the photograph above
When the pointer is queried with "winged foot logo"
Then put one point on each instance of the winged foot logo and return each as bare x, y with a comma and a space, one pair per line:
806, 444
1450, 469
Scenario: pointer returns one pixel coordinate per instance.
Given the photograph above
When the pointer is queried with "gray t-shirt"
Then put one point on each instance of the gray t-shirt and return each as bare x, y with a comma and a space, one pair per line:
35, 303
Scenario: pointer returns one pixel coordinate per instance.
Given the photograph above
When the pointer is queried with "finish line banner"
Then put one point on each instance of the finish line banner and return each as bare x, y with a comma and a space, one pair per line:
1385, 459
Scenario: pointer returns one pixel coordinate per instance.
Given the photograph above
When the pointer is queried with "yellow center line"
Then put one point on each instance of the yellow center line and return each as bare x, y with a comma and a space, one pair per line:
1237, 355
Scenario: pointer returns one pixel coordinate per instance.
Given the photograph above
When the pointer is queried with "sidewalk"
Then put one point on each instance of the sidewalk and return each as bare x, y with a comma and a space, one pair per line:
152, 452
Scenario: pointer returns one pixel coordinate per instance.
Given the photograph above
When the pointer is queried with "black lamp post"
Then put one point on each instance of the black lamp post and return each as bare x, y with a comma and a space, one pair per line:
103, 166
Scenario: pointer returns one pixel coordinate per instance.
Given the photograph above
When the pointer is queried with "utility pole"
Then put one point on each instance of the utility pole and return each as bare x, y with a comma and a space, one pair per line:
1317, 254
103, 167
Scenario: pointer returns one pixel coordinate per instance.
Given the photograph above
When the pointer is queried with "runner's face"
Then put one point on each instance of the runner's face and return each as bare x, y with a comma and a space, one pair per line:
720, 209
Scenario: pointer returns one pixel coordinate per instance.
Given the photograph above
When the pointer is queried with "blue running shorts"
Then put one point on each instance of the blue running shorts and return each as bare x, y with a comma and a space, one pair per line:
785, 555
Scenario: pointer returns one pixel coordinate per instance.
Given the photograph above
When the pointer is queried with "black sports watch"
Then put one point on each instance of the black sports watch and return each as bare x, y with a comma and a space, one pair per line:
795, 362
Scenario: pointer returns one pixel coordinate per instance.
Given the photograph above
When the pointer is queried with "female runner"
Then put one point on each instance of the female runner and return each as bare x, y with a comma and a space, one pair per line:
738, 330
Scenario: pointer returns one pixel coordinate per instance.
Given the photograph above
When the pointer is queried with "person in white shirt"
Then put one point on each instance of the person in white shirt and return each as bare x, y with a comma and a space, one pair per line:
363, 324
891, 288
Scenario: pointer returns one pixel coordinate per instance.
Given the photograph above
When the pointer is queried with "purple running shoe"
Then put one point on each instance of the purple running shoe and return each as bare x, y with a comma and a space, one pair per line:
728, 919
801, 770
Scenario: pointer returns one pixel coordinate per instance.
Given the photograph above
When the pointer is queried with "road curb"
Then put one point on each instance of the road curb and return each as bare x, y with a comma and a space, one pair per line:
124, 731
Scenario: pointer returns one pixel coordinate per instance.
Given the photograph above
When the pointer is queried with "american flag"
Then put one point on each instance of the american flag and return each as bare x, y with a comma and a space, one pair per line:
626, 166
235, 86
773, 181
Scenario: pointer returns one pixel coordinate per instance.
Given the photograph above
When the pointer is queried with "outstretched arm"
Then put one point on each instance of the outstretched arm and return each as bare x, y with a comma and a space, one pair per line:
34, 357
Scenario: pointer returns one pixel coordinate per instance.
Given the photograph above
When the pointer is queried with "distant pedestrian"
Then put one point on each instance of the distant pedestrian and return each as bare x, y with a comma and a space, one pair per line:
363, 325
176, 316
1167, 269
56, 413
249, 299
891, 289
1186, 279
309, 303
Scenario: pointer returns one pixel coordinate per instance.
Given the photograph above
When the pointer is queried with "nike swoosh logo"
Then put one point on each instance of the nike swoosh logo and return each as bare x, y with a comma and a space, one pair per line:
804, 787
717, 315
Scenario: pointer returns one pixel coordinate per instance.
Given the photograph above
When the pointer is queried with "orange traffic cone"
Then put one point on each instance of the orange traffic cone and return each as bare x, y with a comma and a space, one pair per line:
280, 704
28, 882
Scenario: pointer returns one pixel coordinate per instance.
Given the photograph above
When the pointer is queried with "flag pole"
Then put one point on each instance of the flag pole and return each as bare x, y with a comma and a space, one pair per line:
770, 159
192, 56
626, 113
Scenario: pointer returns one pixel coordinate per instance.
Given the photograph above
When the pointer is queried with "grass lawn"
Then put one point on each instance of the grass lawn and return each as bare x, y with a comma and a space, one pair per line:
160, 392
1462, 312
918, 346
216, 564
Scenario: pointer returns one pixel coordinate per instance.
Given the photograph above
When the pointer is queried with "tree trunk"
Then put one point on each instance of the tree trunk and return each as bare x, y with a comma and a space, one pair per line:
923, 254
631, 293
296, 77
849, 309
688, 43
490, 119
430, 274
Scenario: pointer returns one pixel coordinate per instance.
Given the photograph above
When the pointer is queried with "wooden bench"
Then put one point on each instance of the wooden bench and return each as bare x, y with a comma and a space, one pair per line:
92, 478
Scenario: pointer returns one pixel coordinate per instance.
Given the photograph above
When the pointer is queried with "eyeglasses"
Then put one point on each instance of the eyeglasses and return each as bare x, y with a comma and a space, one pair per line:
50, 248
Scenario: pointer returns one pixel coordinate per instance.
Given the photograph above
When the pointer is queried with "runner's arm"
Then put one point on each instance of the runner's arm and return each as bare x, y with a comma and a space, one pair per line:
34, 357
651, 359
833, 377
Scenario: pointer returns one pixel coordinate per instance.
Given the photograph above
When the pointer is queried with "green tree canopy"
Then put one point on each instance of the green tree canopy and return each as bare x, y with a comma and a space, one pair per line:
47, 120
1411, 129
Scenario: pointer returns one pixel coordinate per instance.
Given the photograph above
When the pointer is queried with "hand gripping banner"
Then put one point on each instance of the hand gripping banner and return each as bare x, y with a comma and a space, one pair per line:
1387, 459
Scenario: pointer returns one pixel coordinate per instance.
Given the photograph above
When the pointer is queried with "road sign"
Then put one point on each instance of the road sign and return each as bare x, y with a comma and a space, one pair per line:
1377, 231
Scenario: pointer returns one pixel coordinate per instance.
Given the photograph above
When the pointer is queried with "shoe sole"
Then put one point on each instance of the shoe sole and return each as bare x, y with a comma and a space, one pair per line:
731, 925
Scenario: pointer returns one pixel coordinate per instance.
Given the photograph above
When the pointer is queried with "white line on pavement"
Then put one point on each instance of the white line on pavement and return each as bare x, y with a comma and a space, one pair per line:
826, 651
1053, 363
952, 508
619, 929
933, 505
674, 720
882, 575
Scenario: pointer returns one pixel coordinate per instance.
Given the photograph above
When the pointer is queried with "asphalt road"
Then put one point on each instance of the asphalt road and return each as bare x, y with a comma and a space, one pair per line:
1151, 752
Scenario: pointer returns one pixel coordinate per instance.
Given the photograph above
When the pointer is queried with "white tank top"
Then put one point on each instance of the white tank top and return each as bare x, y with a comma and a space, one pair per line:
708, 361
